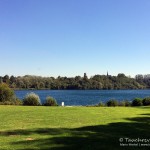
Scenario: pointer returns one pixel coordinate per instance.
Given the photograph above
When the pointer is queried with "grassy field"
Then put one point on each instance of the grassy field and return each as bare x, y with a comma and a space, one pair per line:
72, 128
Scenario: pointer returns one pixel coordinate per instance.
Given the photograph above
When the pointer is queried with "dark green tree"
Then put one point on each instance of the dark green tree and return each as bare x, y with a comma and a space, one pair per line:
6, 79
6, 94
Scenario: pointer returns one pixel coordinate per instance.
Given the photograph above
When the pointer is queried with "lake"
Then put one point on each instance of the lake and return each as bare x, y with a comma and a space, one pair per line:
85, 97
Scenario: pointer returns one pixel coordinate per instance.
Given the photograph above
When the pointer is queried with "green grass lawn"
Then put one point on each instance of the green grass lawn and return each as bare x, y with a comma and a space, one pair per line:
72, 128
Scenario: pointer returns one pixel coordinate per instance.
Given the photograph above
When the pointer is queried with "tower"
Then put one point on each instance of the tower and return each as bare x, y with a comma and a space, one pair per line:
85, 76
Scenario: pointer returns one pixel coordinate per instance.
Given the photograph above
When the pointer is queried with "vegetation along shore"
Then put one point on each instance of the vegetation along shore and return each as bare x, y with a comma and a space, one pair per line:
8, 97
121, 81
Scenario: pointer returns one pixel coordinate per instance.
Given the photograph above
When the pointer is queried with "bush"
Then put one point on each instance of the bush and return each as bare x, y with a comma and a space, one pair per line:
146, 101
6, 103
112, 103
14, 102
50, 101
125, 103
101, 104
17, 102
137, 102
6, 93
31, 99
121, 103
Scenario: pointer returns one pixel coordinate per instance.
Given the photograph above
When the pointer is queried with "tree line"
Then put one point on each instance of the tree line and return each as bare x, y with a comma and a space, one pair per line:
99, 82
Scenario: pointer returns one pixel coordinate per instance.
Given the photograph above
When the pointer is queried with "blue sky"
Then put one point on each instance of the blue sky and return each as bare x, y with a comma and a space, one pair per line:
70, 37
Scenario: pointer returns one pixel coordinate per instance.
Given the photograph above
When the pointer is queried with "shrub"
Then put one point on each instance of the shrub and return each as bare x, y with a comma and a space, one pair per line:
121, 103
50, 101
14, 102
112, 103
101, 104
137, 102
146, 101
6, 93
31, 99
125, 103
6, 103
17, 102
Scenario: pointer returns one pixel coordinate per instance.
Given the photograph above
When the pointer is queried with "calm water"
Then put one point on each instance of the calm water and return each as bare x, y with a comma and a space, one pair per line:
85, 97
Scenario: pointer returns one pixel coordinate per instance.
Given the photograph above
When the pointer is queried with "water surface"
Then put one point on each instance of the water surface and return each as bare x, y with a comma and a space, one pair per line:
85, 97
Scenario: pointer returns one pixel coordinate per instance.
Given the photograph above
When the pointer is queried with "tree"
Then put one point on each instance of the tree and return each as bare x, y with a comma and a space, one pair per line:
6, 79
12, 79
6, 94
121, 75
1, 79
96, 82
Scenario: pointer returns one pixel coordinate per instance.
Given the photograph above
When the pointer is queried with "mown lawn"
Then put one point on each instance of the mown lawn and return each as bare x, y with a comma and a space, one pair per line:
72, 128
